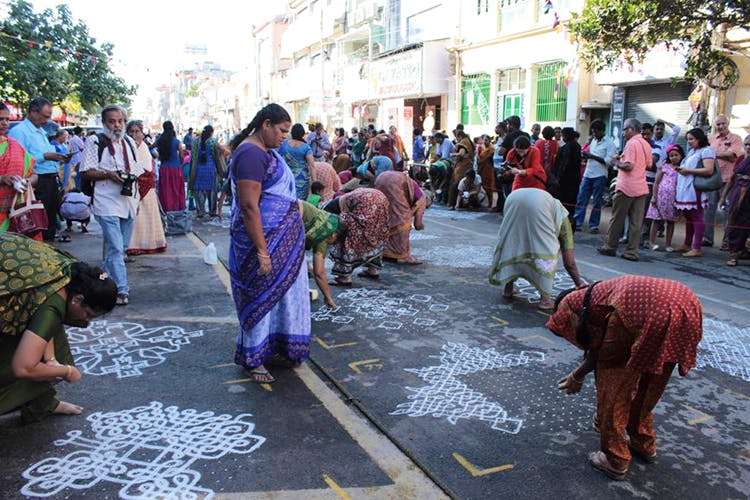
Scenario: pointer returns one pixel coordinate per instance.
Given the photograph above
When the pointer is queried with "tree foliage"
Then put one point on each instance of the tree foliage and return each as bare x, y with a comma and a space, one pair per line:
611, 29
72, 69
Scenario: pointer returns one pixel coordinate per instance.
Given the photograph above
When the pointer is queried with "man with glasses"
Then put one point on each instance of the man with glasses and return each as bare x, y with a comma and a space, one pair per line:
631, 191
727, 147
30, 134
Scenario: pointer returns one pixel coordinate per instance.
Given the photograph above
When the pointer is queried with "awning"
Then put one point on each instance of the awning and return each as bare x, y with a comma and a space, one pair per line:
596, 105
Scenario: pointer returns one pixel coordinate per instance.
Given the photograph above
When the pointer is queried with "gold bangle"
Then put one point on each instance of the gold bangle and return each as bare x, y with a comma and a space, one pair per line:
573, 376
67, 374
51, 359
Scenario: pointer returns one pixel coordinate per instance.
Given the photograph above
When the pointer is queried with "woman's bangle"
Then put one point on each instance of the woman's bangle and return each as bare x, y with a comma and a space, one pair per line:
573, 376
67, 373
261, 254
50, 359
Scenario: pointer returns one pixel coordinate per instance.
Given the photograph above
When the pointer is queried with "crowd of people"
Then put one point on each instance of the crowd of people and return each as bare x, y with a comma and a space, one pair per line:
355, 200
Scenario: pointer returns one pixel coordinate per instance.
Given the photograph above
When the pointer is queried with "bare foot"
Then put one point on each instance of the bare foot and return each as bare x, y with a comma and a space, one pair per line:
65, 408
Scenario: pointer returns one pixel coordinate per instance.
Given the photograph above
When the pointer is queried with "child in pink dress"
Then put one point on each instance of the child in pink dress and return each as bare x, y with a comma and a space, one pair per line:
662, 202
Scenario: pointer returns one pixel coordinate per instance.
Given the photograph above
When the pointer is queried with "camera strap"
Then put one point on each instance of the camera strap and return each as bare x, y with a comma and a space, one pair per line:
111, 148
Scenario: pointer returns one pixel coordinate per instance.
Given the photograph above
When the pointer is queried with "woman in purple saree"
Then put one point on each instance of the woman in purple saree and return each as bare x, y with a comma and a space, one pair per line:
269, 282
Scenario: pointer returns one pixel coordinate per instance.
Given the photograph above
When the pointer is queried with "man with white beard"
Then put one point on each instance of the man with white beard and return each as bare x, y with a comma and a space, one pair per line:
109, 162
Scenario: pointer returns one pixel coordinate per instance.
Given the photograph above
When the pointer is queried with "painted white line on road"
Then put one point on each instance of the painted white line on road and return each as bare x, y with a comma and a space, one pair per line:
703, 297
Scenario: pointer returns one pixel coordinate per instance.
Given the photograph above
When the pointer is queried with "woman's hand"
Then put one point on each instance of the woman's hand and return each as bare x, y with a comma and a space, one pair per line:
570, 384
8, 180
329, 302
73, 375
264, 260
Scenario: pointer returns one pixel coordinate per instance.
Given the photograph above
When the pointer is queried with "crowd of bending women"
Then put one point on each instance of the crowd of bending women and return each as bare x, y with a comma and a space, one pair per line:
633, 347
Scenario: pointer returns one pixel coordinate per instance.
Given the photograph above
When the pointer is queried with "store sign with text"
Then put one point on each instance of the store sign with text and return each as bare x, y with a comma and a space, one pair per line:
398, 75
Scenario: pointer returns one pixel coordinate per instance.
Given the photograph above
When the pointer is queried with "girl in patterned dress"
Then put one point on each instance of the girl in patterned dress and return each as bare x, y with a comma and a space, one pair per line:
662, 202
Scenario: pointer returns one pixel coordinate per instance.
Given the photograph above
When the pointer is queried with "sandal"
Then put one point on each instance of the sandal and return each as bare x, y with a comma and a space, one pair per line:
546, 305
261, 376
598, 461
365, 274
732, 262
64, 238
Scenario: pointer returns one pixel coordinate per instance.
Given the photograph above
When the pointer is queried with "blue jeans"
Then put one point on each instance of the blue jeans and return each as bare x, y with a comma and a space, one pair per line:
116, 233
589, 185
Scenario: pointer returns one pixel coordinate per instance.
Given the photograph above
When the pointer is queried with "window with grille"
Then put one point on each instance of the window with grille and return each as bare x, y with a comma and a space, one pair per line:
475, 99
551, 93
511, 85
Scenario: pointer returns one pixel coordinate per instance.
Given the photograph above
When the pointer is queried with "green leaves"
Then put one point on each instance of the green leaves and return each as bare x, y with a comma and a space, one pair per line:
49, 54
613, 30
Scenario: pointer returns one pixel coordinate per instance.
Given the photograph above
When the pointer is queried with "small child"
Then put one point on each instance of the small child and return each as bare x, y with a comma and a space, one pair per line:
76, 206
662, 202
316, 188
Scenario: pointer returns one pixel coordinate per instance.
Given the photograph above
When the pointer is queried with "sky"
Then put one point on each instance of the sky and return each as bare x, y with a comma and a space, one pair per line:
150, 36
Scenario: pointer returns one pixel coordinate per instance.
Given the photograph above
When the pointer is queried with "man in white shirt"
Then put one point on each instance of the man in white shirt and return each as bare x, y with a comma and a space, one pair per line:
664, 141
601, 150
109, 162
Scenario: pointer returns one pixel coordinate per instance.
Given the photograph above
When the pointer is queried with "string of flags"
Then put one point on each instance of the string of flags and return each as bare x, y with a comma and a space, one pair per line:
49, 45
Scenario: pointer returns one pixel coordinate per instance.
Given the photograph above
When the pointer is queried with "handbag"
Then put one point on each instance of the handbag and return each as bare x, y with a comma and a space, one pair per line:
28, 219
178, 222
710, 183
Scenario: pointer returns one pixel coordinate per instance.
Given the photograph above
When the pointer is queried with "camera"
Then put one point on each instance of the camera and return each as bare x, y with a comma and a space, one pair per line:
505, 167
127, 183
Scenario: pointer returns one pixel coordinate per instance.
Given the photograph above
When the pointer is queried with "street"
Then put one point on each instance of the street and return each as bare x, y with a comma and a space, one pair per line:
422, 384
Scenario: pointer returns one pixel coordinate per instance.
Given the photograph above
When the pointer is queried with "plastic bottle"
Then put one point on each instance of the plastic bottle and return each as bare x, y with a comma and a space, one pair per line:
209, 255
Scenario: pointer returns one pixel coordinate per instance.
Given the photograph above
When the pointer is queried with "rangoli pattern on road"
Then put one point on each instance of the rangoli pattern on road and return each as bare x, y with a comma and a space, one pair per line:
123, 348
382, 309
726, 348
148, 450
448, 397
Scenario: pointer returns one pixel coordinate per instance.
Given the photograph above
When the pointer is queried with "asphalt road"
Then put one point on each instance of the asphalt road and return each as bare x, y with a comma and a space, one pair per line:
421, 384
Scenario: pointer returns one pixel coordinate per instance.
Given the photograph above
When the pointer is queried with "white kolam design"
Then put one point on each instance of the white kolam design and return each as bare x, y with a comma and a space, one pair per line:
123, 348
149, 451
382, 309
446, 396
726, 348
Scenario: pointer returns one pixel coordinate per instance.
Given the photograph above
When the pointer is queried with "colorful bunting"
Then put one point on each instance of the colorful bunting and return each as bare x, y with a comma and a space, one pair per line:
49, 45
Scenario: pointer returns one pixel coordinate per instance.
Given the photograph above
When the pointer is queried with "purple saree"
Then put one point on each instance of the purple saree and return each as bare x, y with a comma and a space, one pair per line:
273, 310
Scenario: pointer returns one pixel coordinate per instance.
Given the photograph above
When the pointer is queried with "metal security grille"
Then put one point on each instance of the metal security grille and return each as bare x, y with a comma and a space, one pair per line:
551, 93
509, 105
475, 99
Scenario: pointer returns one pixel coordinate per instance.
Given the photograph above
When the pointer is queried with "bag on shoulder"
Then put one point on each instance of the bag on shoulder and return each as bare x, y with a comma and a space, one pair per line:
30, 218
710, 183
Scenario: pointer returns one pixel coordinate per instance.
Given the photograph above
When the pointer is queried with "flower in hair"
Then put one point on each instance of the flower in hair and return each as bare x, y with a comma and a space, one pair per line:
103, 276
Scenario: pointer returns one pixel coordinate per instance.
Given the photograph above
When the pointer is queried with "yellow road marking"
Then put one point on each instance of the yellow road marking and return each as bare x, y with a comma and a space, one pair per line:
705, 416
336, 488
500, 322
243, 380
223, 365
219, 268
409, 481
474, 471
540, 337
365, 362
328, 347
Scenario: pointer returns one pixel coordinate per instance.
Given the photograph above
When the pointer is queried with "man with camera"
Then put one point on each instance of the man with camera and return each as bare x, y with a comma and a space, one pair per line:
109, 163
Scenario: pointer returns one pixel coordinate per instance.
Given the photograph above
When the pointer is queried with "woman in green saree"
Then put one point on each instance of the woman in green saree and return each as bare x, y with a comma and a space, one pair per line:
42, 288
321, 229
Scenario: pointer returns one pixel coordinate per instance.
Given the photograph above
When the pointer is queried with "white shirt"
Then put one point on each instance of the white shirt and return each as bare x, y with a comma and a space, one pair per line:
604, 148
664, 143
107, 198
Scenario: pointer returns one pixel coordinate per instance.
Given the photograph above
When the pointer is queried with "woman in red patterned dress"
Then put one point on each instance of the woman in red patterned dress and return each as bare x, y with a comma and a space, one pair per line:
634, 330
